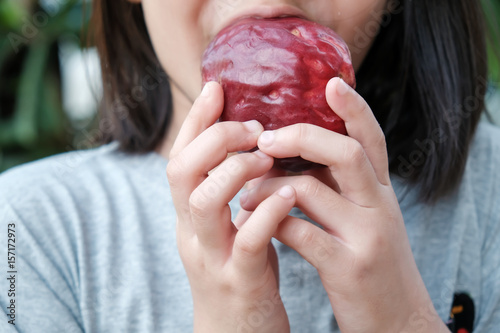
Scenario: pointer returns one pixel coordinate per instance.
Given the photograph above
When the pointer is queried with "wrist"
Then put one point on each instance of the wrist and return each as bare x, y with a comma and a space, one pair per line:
264, 316
251, 323
424, 319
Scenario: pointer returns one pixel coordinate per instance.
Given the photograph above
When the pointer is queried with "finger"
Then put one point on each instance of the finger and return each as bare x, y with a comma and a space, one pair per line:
361, 124
205, 111
243, 214
314, 198
210, 212
344, 156
190, 167
316, 246
212, 146
325, 176
241, 218
252, 240
273, 173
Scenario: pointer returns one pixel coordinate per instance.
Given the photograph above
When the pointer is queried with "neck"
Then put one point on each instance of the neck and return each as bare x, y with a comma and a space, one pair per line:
181, 104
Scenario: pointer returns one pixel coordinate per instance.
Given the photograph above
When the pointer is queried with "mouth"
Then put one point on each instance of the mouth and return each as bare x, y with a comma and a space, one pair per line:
261, 12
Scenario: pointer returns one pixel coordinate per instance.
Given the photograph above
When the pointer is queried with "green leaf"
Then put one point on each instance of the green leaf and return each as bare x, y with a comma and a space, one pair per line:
492, 13
11, 14
28, 95
50, 118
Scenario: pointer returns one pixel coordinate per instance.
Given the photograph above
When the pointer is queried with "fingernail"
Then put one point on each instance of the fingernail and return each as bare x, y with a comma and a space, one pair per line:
286, 192
260, 154
244, 197
342, 87
266, 138
205, 92
252, 126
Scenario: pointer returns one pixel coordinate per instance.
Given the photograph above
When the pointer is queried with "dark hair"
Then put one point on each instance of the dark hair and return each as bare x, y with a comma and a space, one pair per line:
425, 79
137, 103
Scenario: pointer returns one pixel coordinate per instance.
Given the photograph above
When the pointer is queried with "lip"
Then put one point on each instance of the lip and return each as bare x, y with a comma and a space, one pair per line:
263, 12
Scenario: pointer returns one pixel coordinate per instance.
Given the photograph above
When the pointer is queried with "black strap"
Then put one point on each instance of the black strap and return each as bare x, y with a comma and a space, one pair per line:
462, 314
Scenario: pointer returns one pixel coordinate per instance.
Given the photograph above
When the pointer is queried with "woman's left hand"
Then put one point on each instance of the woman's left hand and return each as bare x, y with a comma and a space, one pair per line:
362, 254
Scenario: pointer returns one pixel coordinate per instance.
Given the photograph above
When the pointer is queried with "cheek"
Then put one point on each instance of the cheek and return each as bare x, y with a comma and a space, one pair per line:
357, 22
177, 39
359, 37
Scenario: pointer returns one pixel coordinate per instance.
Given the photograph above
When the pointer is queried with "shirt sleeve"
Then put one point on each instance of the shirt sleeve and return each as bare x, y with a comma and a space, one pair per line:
488, 308
488, 312
40, 291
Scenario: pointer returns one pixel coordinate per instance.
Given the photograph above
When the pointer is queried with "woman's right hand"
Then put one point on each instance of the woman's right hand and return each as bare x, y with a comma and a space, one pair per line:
233, 272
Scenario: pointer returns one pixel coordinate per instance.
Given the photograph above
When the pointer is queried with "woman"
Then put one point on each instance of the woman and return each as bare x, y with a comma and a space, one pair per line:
405, 215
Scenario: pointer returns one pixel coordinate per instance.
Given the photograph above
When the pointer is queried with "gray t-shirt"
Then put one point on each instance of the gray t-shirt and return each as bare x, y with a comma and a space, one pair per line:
95, 247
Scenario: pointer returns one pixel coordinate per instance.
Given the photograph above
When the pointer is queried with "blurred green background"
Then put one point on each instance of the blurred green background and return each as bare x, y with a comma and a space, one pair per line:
50, 83
49, 80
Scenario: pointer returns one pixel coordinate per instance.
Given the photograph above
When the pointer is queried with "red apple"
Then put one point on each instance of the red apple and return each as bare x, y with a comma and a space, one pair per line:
276, 71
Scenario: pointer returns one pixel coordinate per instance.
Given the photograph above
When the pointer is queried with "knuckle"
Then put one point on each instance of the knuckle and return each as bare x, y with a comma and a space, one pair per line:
308, 186
218, 130
237, 165
232, 168
199, 204
245, 246
266, 209
187, 256
362, 271
364, 265
306, 239
219, 180
189, 252
369, 255
303, 132
175, 171
229, 134
353, 152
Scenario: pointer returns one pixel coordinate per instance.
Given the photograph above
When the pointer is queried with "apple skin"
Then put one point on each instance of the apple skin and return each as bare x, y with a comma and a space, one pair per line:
275, 71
